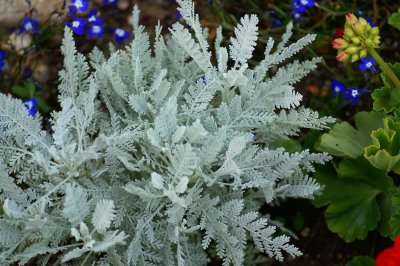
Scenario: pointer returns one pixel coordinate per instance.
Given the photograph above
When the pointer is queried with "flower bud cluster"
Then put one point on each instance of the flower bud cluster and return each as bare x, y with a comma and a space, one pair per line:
358, 35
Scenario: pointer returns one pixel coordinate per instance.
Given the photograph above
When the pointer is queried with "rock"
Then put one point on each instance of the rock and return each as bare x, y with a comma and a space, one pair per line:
13, 11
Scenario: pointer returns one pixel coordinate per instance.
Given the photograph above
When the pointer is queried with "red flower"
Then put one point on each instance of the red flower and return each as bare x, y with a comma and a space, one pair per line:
390, 256
339, 32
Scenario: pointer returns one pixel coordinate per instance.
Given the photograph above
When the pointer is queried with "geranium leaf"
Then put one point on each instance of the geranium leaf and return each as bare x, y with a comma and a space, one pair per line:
387, 98
361, 261
345, 141
352, 197
384, 153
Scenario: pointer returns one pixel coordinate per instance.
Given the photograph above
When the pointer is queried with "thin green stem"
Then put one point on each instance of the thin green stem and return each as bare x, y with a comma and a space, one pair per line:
385, 67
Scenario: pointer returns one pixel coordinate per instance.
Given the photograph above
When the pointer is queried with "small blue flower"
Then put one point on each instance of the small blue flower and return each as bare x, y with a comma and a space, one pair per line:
78, 25
297, 16
367, 64
81, 5
360, 13
72, 10
2, 62
300, 6
93, 19
27, 72
353, 94
120, 35
338, 88
109, 2
31, 106
29, 25
96, 31
179, 16
2, 55
370, 22
2, 65
276, 22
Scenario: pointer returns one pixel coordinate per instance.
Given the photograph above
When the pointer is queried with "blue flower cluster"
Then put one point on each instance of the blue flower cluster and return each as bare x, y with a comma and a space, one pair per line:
93, 23
352, 94
299, 7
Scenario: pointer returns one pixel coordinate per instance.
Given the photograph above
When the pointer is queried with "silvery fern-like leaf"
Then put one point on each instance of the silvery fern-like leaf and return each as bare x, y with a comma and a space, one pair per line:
9, 234
243, 45
103, 215
187, 10
76, 206
110, 240
182, 36
166, 121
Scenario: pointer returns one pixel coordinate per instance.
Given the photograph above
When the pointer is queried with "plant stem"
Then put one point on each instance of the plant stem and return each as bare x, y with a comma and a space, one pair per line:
385, 67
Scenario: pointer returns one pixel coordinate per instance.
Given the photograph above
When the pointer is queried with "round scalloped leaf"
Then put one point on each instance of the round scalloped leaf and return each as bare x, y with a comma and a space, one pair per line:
345, 141
361, 261
384, 153
387, 98
352, 197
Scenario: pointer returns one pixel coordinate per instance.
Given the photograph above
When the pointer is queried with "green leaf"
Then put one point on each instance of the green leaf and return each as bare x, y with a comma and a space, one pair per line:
290, 145
395, 218
384, 153
352, 197
361, 261
345, 141
27, 90
394, 19
43, 105
387, 99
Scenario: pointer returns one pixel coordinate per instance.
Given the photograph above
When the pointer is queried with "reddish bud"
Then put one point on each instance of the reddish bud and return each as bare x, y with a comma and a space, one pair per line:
342, 57
339, 43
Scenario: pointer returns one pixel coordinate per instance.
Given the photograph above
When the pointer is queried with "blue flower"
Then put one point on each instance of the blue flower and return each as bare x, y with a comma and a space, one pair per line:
276, 22
78, 25
353, 94
179, 16
96, 31
370, 22
2, 65
300, 6
81, 5
93, 19
72, 10
367, 64
338, 88
27, 72
109, 2
2, 55
2, 62
297, 16
31, 106
29, 25
120, 35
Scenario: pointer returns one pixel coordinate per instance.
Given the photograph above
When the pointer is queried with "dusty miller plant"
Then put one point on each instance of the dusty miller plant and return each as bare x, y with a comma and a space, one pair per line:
158, 157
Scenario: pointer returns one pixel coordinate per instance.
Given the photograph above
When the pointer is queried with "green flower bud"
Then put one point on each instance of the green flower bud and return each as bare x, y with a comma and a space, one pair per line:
348, 33
355, 57
339, 43
352, 49
374, 31
363, 53
356, 40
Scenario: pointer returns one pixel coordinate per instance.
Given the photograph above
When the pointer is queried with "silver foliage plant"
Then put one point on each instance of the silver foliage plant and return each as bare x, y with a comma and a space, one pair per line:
158, 157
